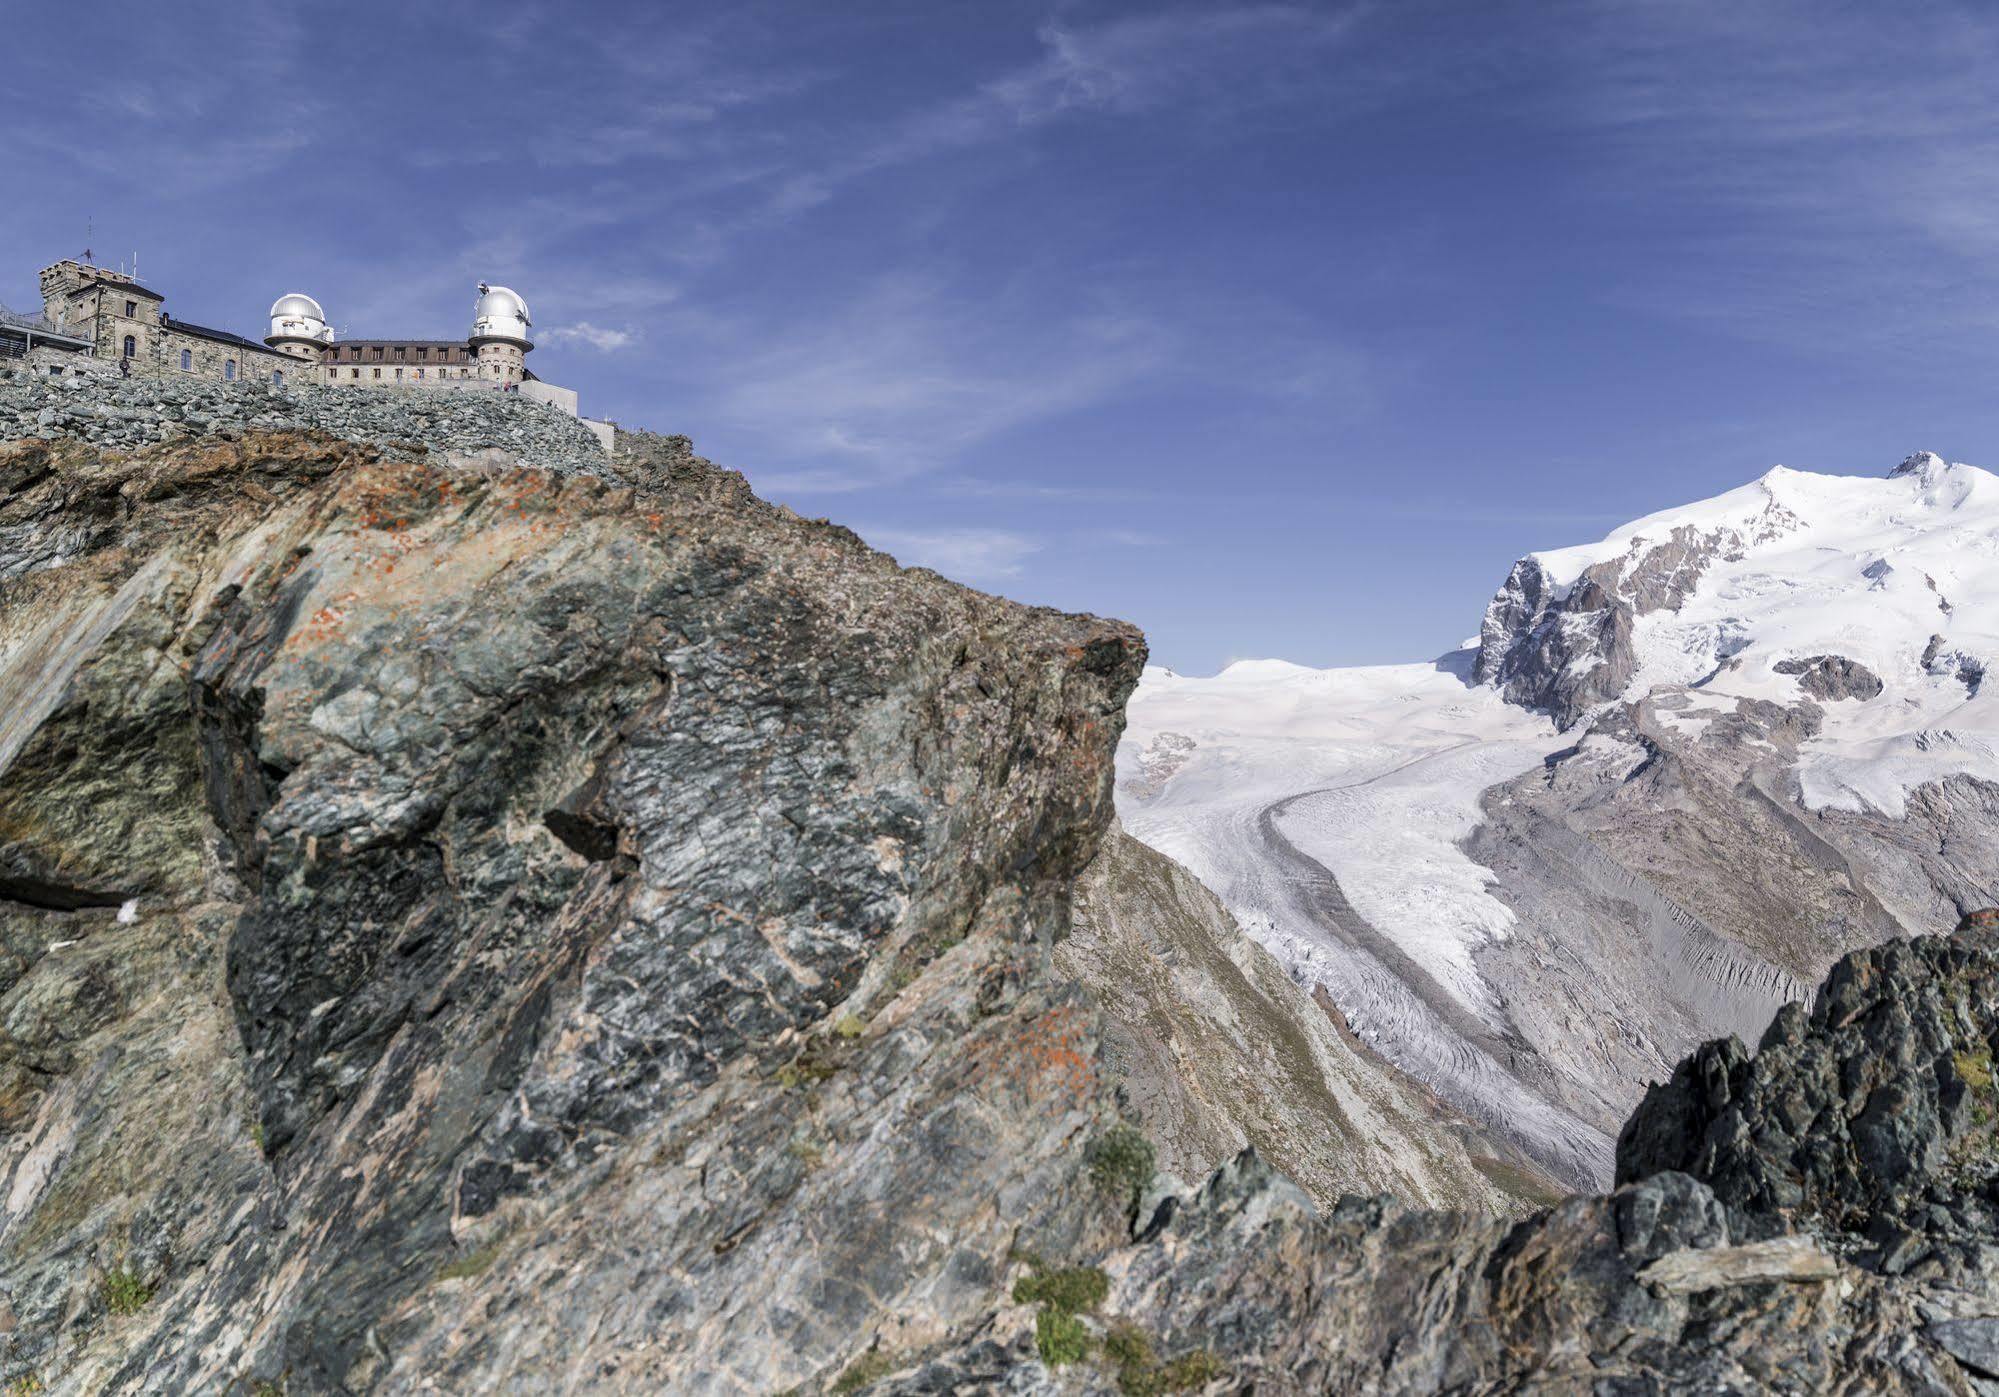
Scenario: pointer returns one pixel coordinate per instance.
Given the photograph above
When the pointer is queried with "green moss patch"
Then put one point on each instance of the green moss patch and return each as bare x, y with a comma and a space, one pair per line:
1140, 1374
876, 1363
1063, 1293
125, 1291
1975, 1068
1072, 1289
473, 1263
1120, 1162
1060, 1338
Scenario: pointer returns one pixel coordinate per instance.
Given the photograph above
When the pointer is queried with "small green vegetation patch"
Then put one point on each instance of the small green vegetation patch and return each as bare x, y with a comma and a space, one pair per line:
473, 1263
1072, 1289
1140, 1374
1975, 1068
27, 1385
1063, 1293
1120, 1162
1060, 1338
875, 1363
816, 1061
849, 1027
125, 1292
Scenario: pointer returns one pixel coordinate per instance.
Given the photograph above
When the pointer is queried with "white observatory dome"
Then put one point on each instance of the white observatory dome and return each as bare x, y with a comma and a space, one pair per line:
500, 315
298, 317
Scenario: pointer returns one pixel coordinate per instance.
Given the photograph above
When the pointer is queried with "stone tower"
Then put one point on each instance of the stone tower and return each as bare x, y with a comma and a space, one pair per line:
60, 283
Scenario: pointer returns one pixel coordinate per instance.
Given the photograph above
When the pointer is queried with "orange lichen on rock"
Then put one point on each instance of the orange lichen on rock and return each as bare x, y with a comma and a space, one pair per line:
1052, 1058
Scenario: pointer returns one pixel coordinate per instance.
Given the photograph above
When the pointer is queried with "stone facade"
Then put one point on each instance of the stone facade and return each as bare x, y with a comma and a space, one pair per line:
502, 362
124, 321
208, 354
53, 363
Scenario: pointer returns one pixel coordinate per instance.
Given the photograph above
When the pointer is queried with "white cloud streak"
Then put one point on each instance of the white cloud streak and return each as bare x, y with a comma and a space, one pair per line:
596, 337
965, 554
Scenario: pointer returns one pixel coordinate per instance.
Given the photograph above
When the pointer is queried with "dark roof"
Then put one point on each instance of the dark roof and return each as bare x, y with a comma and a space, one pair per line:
412, 344
203, 332
89, 282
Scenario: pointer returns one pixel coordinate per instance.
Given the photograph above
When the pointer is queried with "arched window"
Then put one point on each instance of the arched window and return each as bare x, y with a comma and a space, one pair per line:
229, 371
131, 347
187, 359
278, 377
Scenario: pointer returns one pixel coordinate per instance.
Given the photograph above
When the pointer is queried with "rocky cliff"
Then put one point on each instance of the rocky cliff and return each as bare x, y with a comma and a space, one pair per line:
477, 928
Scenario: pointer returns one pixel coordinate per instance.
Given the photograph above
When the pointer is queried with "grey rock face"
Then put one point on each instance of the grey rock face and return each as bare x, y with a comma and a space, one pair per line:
421, 883
1832, 677
1870, 1111
1564, 650
1972, 1342
475, 929
1941, 658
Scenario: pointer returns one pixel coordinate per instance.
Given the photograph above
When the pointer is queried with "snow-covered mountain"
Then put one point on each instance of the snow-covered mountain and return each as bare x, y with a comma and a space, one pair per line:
1682, 770
1797, 586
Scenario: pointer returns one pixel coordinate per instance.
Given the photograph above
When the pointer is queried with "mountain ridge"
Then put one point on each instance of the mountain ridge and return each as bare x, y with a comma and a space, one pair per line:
1709, 753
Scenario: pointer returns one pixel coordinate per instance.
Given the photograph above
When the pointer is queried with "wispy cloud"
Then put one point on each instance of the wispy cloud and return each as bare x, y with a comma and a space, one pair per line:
1817, 158
967, 554
1126, 538
595, 336
889, 385
1227, 58
1136, 63
170, 117
975, 487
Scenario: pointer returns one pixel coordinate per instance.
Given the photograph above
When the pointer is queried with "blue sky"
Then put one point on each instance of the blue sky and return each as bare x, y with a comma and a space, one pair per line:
1278, 329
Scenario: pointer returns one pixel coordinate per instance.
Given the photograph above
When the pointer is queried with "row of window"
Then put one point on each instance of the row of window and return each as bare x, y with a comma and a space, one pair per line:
355, 353
332, 374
